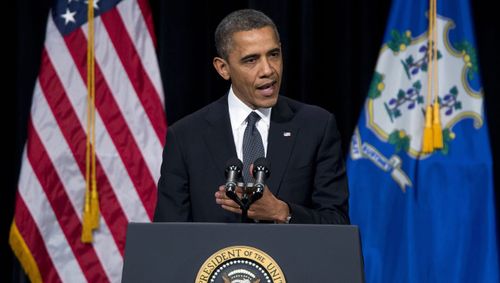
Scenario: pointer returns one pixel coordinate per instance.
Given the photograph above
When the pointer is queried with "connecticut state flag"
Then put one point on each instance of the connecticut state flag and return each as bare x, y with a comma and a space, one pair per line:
419, 165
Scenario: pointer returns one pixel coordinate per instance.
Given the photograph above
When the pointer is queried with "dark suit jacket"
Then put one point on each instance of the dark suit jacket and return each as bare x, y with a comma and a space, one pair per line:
306, 165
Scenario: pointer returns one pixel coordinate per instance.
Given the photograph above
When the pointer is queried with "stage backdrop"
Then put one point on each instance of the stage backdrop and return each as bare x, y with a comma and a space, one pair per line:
330, 50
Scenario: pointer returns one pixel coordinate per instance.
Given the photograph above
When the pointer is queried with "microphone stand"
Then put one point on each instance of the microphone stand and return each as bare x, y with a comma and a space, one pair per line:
244, 209
251, 191
249, 196
245, 203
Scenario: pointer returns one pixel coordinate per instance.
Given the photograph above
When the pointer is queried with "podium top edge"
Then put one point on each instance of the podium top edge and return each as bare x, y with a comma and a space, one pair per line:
215, 224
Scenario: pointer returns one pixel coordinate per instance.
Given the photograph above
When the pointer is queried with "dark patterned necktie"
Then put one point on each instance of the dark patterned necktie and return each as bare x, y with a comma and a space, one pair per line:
253, 147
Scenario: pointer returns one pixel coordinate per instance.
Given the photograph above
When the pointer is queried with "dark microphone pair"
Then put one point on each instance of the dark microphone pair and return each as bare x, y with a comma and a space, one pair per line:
233, 174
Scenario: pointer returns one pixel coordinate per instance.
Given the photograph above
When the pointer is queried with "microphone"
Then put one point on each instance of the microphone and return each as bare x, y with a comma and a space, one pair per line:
233, 174
261, 173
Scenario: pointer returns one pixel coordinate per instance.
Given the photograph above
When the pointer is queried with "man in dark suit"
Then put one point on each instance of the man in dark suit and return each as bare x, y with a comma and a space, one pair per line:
308, 181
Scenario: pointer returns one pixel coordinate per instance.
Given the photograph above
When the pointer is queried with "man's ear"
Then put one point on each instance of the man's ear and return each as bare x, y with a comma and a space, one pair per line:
222, 67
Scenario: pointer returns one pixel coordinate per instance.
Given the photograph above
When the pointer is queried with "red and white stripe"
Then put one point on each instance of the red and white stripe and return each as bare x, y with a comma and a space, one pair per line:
130, 132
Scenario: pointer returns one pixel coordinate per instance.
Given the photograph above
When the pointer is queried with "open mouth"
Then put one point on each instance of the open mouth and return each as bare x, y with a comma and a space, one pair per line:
267, 88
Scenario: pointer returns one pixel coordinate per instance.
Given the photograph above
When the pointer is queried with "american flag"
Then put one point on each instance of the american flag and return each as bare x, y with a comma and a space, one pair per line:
130, 129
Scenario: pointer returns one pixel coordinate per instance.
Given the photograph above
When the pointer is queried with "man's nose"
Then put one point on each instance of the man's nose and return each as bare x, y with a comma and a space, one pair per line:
266, 68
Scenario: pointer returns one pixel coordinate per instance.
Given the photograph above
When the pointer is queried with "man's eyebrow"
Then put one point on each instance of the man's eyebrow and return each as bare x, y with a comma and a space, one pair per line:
255, 55
274, 50
249, 56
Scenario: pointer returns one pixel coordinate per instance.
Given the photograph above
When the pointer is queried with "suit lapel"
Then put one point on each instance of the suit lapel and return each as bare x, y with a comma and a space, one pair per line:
281, 140
218, 135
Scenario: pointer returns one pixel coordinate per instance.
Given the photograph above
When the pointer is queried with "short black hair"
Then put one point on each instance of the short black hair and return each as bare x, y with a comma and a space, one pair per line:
240, 20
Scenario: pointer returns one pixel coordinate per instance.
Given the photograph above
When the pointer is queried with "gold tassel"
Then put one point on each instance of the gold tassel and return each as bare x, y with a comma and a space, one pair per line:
427, 146
86, 221
436, 127
94, 204
90, 218
86, 231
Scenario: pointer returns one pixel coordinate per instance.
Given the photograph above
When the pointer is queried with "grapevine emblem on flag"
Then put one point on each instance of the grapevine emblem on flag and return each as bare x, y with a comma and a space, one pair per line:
395, 108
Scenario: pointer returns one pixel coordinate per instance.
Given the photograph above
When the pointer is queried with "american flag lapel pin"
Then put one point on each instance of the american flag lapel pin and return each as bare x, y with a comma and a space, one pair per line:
287, 134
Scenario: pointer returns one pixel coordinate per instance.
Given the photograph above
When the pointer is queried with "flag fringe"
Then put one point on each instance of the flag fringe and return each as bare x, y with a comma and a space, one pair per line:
23, 254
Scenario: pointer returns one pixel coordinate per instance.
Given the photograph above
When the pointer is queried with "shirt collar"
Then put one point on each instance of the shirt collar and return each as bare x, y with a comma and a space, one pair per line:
238, 111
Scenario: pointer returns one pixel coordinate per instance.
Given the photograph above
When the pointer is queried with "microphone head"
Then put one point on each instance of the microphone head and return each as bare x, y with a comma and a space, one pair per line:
261, 164
235, 165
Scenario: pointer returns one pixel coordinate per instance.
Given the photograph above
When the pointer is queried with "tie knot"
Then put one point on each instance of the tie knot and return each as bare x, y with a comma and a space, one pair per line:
252, 118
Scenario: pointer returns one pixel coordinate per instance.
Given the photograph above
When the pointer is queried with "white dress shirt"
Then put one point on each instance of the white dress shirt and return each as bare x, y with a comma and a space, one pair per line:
238, 112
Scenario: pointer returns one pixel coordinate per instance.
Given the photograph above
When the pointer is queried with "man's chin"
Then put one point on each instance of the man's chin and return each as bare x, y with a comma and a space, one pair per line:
268, 102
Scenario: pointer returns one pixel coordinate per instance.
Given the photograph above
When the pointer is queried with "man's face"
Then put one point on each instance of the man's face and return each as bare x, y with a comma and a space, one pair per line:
254, 66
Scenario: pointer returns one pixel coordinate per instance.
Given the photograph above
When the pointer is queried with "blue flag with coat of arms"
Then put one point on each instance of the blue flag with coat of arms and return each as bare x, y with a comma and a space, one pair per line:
425, 216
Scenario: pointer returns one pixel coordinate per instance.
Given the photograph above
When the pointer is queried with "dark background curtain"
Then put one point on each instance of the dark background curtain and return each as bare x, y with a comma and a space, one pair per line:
330, 49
